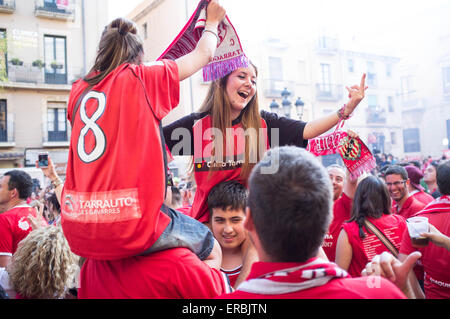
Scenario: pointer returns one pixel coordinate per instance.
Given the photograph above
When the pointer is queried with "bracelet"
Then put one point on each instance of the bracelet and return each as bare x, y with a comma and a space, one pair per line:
57, 182
213, 32
340, 113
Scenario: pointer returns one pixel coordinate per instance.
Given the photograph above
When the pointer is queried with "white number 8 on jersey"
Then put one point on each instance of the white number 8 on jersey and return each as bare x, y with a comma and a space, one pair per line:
91, 125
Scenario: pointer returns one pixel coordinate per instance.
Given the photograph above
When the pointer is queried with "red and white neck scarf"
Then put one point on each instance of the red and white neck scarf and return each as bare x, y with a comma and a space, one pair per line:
315, 273
229, 54
354, 153
439, 205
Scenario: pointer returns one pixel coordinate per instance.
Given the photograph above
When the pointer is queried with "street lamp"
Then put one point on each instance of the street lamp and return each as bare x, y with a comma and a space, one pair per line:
274, 107
299, 105
286, 103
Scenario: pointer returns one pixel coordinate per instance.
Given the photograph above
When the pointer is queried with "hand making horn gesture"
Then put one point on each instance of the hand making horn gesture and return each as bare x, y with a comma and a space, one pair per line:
355, 94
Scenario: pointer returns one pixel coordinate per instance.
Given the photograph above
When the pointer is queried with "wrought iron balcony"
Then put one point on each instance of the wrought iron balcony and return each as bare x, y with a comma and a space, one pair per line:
7, 6
55, 9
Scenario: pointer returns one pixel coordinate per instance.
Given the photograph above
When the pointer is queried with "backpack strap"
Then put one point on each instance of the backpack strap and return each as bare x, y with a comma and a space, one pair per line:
382, 237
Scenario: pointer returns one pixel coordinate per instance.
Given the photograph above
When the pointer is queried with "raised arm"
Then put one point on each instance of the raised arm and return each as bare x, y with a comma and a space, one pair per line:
206, 46
323, 124
50, 172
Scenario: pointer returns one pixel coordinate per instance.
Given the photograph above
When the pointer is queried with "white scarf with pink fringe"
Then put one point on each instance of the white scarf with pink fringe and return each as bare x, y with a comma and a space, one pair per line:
229, 54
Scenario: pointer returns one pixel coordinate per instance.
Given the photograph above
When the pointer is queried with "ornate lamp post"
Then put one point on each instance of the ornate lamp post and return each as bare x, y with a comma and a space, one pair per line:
299, 105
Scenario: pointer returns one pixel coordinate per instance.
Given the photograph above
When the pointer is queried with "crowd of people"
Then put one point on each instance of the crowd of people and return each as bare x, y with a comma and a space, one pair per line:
258, 217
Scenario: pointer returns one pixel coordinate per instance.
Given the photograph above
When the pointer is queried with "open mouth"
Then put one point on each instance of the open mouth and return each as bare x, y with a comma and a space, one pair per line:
243, 95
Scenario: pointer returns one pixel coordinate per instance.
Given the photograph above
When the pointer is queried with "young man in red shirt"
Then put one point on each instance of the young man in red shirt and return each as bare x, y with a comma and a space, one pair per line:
287, 217
226, 204
435, 259
15, 188
397, 181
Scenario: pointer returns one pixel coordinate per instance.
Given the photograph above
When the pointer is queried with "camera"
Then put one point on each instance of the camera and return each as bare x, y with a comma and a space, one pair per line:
43, 160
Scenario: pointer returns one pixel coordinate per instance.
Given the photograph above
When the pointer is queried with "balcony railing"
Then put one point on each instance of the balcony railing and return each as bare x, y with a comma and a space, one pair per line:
328, 92
7, 133
59, 10
27, 73
7, 6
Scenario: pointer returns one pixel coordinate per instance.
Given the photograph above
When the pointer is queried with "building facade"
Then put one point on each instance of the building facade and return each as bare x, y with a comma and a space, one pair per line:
425, 89
45, 46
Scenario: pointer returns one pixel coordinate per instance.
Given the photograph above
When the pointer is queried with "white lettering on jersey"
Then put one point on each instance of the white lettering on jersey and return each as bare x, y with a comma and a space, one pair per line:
91, 125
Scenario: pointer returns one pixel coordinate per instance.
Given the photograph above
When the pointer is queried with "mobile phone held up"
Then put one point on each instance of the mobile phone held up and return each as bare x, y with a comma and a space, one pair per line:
43, 160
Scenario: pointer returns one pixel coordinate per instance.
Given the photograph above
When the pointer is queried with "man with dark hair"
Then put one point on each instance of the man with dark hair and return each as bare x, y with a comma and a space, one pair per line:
15, 187
435, 257
287, 217
226, 203
398, 182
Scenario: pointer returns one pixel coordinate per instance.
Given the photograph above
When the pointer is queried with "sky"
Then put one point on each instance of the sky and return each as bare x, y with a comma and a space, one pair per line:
384, 25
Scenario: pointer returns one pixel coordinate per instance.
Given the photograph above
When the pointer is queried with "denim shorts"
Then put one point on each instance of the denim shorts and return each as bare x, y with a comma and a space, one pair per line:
184, 231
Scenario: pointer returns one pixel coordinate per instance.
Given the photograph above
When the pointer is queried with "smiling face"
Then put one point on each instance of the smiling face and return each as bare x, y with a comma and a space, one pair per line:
240, 89
397, 186
337, 177
228, 227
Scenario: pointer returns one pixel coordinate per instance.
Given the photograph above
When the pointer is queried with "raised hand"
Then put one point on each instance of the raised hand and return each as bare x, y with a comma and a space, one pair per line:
356, 94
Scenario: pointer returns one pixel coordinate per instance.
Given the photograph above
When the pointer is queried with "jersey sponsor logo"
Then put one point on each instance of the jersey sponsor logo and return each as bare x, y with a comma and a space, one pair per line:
101, 207
208, 164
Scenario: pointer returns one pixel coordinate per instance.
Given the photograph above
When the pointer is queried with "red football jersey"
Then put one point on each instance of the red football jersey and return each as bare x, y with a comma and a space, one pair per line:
372, 287
229, 170
115, 180
393, 226
341, 213
168, 274
435, 259
14, 227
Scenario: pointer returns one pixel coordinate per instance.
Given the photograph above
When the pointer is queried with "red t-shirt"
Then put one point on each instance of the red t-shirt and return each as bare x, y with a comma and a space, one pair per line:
435, 260
230, 170
393, 226
422, 197
337, 288
409, 208
115, 180
232, 274
276, 131
341, 212
14, 227
169, 274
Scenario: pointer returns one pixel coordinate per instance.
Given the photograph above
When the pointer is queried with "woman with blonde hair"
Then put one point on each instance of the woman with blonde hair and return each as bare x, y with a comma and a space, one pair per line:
229, 134
43, 267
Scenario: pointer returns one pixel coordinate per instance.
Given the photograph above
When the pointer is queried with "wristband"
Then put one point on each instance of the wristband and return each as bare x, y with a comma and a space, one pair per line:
57, 182
340, 113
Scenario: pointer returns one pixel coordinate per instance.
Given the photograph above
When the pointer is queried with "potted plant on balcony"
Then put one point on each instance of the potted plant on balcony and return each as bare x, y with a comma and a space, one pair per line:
38, 63
16, 61
56, 66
